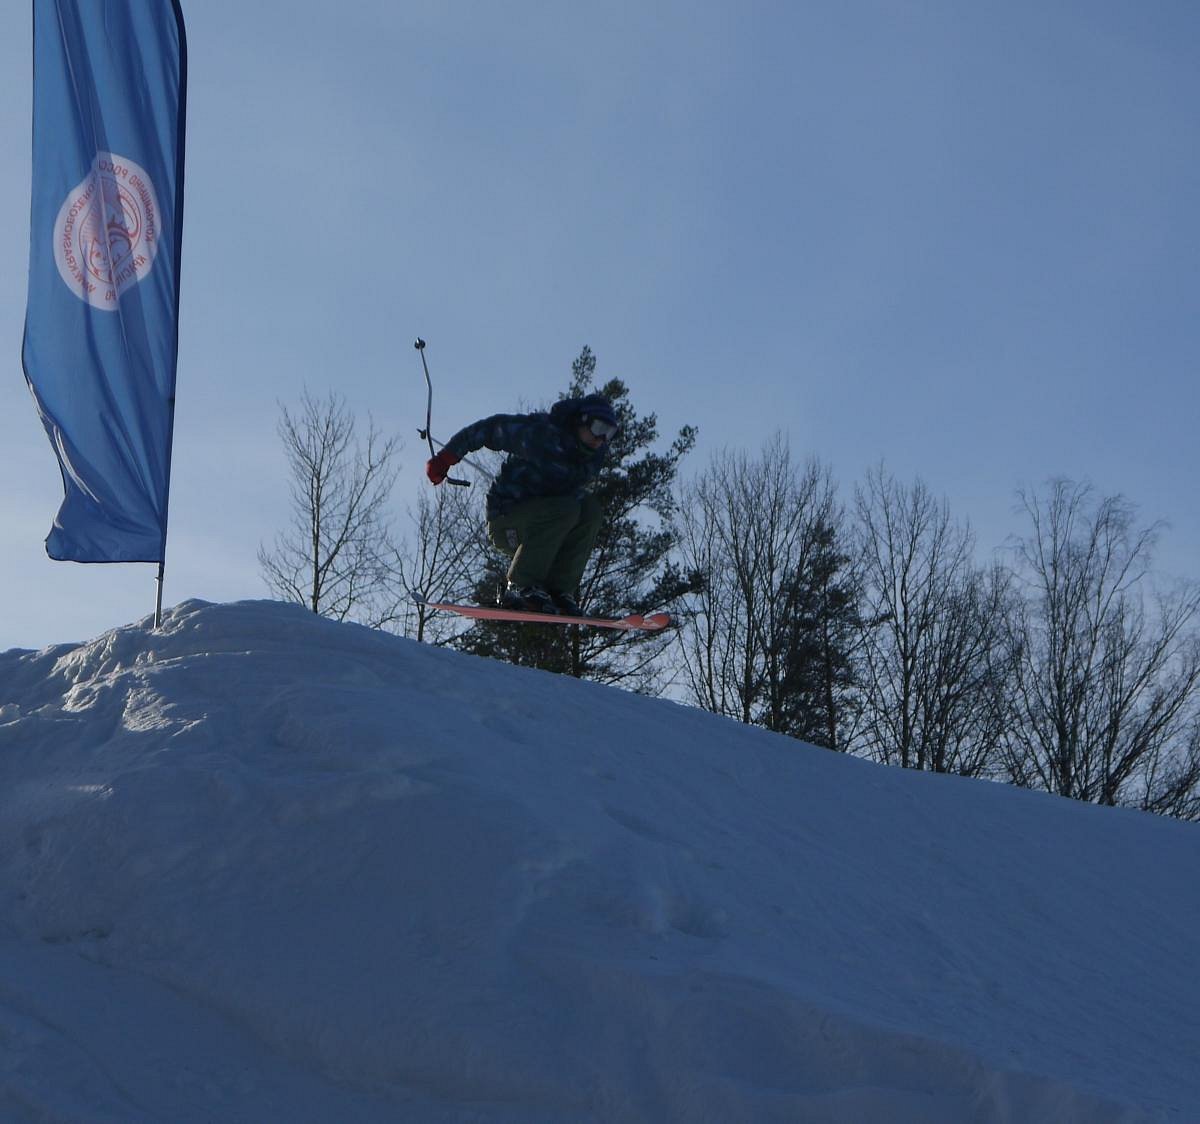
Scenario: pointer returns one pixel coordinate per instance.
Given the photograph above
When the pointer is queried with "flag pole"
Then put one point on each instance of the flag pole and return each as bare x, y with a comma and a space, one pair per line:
158, 602
179, 166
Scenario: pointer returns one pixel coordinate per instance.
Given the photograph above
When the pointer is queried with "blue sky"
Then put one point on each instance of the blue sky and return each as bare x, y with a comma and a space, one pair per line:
958, 237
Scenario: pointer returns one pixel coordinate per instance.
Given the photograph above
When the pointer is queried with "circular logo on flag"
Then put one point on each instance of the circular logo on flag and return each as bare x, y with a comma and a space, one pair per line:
107, 231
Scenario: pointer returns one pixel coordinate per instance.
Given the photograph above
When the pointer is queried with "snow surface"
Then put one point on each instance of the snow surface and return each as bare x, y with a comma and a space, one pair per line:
258, 866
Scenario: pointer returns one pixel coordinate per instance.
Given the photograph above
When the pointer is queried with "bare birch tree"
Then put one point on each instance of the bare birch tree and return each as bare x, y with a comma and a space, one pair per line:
331, 557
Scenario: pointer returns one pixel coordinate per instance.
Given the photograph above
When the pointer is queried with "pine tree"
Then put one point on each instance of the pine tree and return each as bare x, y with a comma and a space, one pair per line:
817, 685
630, 569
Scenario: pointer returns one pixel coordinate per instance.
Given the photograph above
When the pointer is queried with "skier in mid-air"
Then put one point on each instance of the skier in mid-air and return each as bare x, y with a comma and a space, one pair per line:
540, 511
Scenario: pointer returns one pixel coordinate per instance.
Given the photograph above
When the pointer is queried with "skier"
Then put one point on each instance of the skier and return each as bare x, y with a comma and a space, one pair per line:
539, 509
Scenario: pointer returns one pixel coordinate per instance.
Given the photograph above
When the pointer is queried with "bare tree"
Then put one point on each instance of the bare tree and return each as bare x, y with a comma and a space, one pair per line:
930, 632
1104, 689
448, 549
762, 642
331, 557
717, 645
961, 676
1169, 782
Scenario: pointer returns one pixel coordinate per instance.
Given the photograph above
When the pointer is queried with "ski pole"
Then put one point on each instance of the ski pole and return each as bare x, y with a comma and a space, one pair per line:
424, 433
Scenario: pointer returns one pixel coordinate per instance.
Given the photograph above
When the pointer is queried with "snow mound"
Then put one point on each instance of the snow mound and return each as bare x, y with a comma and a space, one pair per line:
257, 865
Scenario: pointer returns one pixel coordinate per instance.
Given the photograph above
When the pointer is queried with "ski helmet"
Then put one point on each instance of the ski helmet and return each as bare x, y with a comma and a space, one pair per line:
595, 407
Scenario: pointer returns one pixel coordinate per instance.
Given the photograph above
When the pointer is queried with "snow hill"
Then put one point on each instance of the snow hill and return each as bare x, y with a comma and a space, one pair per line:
262, 867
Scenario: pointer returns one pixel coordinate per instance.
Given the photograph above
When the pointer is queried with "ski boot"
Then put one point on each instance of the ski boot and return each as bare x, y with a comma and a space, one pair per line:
565, 604
528, 599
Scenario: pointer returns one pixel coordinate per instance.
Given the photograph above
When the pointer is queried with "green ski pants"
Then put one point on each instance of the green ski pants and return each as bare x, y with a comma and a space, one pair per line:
550, 539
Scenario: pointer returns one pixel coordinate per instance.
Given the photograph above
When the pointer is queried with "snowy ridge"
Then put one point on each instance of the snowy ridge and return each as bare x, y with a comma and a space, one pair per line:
259, 866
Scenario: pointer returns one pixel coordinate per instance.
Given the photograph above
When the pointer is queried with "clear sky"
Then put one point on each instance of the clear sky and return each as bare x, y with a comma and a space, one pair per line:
959, 237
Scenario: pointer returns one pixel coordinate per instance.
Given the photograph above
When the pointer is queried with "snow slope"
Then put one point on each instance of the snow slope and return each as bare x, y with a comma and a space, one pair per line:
262, 867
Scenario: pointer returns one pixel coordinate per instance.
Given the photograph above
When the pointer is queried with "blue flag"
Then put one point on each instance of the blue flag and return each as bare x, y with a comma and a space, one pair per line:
101, 324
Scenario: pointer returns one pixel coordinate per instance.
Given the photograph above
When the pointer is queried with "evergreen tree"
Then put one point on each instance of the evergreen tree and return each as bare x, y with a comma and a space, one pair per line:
630, 569
816, 696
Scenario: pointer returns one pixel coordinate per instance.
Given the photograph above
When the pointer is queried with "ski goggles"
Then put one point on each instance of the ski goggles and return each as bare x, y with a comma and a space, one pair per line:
601, 428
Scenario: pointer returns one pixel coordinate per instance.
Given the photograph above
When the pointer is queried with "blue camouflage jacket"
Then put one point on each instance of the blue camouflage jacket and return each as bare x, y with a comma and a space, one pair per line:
545, 455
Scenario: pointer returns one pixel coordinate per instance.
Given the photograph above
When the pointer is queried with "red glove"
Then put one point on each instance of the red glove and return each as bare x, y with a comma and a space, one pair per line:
438, 466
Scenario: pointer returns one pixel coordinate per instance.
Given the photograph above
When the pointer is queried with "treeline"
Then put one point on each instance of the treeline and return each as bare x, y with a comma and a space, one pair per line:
866, 624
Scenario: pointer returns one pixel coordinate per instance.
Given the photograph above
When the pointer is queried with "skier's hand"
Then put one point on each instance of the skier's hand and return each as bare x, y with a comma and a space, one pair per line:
437, 467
